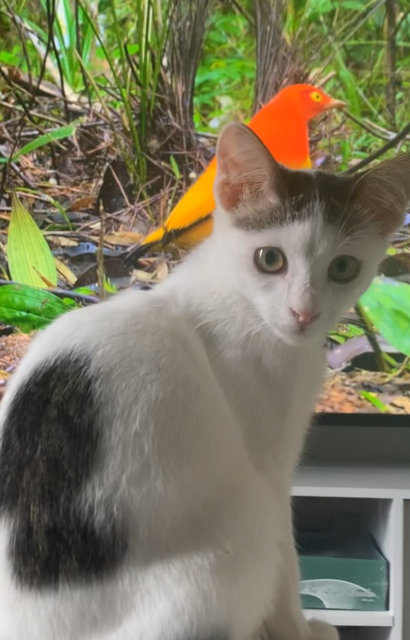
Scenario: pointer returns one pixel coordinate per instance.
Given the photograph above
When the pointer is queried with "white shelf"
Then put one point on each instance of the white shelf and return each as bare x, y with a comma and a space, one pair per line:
353, 482
359, 479
352, 618
373, 498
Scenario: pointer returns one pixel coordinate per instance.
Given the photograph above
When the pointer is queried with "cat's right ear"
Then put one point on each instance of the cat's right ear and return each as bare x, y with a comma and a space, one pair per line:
247, 173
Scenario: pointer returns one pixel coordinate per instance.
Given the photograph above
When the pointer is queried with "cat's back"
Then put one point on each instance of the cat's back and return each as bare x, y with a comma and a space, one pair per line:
100, 382
125, 335
103, 420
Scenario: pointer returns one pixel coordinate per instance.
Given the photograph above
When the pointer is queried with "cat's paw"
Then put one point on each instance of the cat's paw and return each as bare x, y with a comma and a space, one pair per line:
322, 631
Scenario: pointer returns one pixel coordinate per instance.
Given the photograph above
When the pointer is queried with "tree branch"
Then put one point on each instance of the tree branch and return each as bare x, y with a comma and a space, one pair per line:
379, 152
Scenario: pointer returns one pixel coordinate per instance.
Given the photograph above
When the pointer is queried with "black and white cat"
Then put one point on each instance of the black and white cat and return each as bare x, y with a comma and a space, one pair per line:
148, 443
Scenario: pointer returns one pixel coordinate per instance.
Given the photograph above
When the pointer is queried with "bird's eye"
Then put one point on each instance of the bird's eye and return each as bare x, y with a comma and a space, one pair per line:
270, 260
315, 95
344, 269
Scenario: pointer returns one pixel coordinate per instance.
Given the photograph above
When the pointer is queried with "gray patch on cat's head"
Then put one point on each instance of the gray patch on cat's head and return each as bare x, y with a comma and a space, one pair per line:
375, 199
303, 195
257, 192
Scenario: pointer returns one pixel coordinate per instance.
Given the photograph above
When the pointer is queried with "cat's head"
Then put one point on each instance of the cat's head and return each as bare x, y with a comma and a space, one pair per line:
307, 244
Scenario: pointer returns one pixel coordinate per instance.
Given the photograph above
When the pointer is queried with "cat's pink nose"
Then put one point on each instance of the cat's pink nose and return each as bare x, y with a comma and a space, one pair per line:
304, 318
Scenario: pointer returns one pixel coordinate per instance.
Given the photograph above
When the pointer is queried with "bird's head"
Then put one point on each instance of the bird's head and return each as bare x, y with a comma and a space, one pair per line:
311, 100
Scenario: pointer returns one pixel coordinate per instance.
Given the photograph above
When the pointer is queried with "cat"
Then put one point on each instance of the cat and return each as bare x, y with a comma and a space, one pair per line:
148, 443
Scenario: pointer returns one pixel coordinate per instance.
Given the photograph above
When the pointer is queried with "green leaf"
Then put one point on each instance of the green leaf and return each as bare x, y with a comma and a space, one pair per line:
29, 256
387, 305
375, 401
175, 167
109, 286
10, 57
355, 5
345, 331
133, 48
41, 141
28, 308
87, 291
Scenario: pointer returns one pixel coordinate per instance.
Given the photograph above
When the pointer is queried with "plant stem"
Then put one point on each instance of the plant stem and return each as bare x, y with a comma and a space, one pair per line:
390, 91
371, 336
100, 252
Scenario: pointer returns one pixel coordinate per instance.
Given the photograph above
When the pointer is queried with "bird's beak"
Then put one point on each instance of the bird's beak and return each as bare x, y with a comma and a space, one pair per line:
335, 104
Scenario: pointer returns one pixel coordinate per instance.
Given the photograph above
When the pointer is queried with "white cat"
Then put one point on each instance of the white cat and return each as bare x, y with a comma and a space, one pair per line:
148, 443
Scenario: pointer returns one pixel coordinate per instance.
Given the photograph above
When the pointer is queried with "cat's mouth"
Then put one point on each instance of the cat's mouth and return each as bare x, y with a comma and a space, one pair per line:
306, 330
294, 333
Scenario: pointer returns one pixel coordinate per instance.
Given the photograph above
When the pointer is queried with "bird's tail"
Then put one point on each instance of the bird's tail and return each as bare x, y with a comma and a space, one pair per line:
161, 239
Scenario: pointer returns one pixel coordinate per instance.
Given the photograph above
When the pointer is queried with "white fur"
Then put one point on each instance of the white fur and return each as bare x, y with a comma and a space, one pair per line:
206, 391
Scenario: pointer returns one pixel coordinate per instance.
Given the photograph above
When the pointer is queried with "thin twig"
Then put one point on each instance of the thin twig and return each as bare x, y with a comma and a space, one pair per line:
120, 187
36, 114
243, 12
379, 152
22, 39
100, 251
51, 18
366, 126
390, 60
79, 48
22, 175
383, 131
403, 366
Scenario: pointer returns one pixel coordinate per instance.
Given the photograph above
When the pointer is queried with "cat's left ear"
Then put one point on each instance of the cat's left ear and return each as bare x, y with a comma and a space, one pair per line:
384, 192
246, 173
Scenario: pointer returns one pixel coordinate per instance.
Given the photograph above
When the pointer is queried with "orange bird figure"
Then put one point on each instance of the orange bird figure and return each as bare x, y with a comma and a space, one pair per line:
282, 125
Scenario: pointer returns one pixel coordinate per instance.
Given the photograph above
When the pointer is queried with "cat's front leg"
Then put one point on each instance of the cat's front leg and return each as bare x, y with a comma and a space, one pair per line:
322, 631
287, 621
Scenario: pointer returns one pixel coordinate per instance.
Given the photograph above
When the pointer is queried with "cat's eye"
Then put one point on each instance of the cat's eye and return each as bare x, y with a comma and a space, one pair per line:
315, 95
344, 269
270, 259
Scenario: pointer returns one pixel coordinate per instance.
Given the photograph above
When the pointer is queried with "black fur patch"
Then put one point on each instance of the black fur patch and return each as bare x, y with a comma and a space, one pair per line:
48, 450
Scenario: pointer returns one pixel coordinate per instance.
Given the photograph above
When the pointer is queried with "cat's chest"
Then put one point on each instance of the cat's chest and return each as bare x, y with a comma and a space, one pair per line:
272, 397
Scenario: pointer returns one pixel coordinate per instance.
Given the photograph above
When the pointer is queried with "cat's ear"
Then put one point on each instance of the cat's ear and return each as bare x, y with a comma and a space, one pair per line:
246, 171
384, 191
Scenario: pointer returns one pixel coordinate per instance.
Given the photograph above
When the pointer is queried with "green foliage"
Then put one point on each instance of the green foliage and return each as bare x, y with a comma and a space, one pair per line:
135, 64
375, 401
387, 305
56, 134
344, 332
224, 83
11, 57
87, 52
29, 257
112, 52
110, 287
174, 167
28, 308
346, 41
69, 26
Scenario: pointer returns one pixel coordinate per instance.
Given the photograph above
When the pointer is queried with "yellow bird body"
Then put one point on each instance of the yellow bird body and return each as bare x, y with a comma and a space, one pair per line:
282, 125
